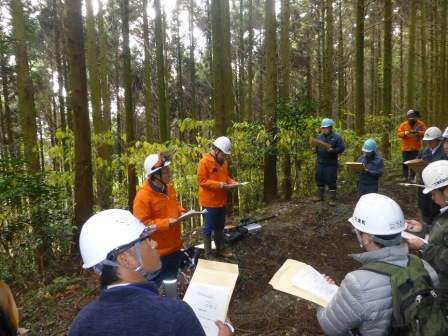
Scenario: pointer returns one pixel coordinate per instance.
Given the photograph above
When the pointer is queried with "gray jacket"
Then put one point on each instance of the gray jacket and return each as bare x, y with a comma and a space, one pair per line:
364, 299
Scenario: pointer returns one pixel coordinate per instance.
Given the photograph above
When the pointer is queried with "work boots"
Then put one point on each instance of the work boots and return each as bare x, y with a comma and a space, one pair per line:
220, 244
332, 201
320, 195
208, 247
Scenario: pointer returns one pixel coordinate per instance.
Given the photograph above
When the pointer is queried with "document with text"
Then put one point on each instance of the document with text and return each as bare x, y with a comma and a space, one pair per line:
302, 280
209, 304
210, 291
312, 281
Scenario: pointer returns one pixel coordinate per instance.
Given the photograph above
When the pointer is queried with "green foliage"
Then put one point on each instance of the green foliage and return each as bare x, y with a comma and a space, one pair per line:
33, 212
62, 283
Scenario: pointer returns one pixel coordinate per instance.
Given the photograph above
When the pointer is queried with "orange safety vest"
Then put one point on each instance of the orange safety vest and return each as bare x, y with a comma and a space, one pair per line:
209, 175
152, 207
411, 142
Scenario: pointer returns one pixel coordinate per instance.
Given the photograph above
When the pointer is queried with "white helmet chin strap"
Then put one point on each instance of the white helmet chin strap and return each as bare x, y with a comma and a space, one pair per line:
361, 244
139, 258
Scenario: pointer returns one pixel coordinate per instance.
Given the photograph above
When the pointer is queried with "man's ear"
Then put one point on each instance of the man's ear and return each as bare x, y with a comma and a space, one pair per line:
366, 238
124, 259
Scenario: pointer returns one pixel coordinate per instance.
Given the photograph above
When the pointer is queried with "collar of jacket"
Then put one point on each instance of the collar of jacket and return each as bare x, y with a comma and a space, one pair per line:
386, 254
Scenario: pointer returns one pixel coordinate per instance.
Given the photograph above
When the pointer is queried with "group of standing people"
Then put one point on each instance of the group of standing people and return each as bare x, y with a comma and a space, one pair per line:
363, 304
326, 164
156, 203
412, 133
128, 250
135, 253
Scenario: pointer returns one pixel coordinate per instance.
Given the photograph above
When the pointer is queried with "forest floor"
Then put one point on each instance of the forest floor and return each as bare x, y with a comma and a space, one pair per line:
313, 233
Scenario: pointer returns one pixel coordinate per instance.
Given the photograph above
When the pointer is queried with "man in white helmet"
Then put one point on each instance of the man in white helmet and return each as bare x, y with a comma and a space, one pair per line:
431, 153
213, 178
364, 298
435, 252
156, 203
118, 246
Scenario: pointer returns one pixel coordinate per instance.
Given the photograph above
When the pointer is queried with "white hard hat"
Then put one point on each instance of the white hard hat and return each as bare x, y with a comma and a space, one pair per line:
223, 143
154, 162
433, 133
378, 215
107, 231
435, 175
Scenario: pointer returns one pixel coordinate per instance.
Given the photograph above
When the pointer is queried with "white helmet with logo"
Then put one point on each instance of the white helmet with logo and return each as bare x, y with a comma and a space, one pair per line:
378, 215
154, 163
223, 143
433, 133
108, 231
435, 175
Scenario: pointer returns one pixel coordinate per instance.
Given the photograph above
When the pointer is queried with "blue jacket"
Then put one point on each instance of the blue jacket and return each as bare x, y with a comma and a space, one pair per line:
136, 309
426, 155
375, 165
336, 142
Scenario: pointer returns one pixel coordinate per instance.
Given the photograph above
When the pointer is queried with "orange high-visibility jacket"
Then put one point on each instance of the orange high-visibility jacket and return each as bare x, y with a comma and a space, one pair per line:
152, 207
411, 142
209, 175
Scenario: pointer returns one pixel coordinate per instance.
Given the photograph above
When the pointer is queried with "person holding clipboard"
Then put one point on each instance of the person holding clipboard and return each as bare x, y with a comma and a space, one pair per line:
326, 172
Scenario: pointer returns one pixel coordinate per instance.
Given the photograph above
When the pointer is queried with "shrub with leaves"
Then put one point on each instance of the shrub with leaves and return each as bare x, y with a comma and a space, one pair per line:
33, 213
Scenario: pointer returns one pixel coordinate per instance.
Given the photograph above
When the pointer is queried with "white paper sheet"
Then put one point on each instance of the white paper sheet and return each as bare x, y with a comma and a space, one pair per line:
209, 304
408, 235
235, 185
312, 281
191, 213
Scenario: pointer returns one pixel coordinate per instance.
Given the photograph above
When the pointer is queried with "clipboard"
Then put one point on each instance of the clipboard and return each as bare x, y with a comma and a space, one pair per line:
416, 165
355, 167
318, 143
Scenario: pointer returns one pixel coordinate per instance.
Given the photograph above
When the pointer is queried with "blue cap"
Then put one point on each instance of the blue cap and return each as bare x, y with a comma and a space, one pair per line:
369, 146
326, 123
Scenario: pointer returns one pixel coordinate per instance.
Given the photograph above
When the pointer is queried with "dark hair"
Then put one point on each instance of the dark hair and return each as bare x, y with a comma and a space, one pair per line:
109, 273
417, 114
109, 276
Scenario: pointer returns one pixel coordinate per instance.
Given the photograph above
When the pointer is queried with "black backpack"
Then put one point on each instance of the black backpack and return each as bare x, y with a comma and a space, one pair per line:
417, 308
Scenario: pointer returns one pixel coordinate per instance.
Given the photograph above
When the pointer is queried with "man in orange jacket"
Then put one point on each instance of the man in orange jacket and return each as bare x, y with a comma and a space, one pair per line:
411, 133
156, 203
213, 178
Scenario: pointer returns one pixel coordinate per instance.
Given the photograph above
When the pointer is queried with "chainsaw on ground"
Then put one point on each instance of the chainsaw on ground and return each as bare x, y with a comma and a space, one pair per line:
234, 233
